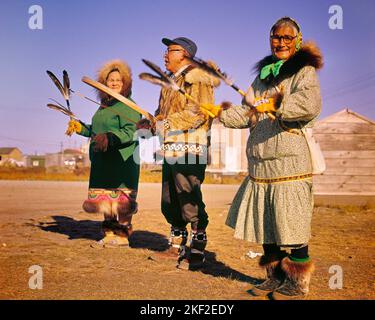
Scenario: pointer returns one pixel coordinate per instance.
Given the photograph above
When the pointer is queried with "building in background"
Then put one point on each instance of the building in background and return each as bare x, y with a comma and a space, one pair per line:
36, 161
69, 158
11, 156
228, 150
347, 140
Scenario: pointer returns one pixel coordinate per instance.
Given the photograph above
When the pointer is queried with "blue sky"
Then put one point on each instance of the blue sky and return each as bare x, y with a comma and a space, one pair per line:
79, 36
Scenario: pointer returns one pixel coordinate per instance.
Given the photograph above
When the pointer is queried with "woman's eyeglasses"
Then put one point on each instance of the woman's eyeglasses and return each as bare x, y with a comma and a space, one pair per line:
287, 39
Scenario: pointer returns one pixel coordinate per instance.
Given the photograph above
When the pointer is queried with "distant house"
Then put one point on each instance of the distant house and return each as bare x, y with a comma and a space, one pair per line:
36, 161
347, 140
11, 155
71, 158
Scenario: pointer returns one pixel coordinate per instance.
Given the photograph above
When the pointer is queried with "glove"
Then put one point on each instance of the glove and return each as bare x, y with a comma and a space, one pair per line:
144, 127
144, 124
211, 108
265, 105
100, 142
73, 127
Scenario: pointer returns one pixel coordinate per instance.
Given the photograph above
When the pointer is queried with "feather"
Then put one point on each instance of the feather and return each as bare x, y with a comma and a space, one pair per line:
61, 109
55, 101
154, 79
204, 65
57, 83
210, 69
157, 69
162, 74
66, 81
59, 86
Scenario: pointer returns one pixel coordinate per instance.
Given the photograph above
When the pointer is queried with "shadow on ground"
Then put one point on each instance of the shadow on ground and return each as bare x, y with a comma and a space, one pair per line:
140, 239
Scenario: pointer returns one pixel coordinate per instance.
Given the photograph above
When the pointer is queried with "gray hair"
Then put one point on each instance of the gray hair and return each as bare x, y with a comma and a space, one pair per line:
285, 21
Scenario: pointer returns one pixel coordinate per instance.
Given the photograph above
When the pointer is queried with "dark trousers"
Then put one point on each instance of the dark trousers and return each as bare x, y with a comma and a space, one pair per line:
181, 201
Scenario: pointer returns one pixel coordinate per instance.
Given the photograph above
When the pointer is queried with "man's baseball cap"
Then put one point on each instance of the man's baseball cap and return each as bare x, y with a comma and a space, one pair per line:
186, 43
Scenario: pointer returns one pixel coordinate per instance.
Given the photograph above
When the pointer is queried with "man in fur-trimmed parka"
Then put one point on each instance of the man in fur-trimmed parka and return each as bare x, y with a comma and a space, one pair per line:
184, 129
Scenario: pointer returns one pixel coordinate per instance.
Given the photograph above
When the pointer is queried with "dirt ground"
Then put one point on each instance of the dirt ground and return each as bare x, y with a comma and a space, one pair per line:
42, 223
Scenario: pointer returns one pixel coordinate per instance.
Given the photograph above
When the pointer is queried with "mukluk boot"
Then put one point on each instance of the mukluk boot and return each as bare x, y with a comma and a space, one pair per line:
274, 274
197, 246
177, 241
297, 281
118, 206
116, 234
196, 257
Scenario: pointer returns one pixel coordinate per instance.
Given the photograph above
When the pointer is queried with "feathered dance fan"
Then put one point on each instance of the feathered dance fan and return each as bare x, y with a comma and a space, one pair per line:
62, 109
65, 92
154, 79
165, 81
215, 71
66, 87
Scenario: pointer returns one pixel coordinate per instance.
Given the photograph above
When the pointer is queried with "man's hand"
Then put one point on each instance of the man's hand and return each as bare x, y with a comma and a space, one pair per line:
215, 110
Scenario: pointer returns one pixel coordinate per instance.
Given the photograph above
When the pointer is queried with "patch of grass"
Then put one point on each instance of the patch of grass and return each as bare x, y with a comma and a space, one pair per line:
151, 174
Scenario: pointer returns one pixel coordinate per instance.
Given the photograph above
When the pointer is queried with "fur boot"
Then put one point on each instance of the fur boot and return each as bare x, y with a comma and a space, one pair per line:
195, 257
115, 234
274, 274
296, 284
177, 241
197, 246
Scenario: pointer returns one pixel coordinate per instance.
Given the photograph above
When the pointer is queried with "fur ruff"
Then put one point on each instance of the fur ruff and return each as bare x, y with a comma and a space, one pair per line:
125, 73
308, 55
297, 270
97, 207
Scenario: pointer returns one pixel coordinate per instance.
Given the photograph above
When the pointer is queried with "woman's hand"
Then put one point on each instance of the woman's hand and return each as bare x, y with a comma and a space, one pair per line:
146, 124
73, 127
265, 105
100, 142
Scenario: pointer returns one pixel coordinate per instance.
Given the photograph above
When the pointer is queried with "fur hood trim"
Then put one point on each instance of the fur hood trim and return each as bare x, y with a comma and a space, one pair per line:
197, 75
308, 55
125, 72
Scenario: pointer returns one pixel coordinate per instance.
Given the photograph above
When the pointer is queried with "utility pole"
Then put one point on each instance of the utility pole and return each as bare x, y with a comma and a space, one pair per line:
61, 154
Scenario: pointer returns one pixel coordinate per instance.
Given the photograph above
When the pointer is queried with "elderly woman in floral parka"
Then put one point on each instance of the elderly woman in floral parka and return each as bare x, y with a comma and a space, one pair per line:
274, 204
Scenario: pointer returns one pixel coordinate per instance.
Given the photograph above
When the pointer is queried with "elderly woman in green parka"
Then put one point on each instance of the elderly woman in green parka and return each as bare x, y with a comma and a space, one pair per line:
274, 204
114, 156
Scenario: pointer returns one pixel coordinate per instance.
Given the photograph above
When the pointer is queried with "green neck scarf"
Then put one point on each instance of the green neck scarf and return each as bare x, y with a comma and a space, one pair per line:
273, 68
